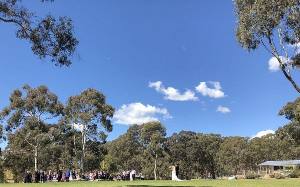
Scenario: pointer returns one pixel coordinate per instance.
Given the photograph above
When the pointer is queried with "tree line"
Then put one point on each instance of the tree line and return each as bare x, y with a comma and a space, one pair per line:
43, 133
198, 155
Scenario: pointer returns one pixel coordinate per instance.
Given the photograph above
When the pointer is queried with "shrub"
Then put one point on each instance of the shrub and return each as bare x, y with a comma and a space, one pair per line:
252, 175
295, 174
279, 176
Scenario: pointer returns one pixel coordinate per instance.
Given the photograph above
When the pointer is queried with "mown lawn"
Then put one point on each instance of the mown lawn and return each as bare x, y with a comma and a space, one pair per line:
192, 183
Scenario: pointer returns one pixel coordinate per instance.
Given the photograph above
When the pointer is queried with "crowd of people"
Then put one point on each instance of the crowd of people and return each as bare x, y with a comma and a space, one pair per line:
70, 175
43, 176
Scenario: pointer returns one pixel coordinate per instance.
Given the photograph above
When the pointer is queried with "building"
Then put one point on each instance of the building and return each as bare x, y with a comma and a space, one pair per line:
270, 167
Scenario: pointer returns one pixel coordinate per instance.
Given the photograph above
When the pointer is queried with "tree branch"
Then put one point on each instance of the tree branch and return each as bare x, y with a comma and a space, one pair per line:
282, 65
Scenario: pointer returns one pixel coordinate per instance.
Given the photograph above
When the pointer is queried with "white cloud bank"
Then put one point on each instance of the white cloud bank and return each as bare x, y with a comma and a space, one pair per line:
223, 109
173, 94
138, 113
263, 133
215, 91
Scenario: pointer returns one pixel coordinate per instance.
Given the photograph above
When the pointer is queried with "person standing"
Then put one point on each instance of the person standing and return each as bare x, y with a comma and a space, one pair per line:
42, 175
132, 175
177, 170
174, 176
36, 176
50, 175
27, 177
67, 175
59, 176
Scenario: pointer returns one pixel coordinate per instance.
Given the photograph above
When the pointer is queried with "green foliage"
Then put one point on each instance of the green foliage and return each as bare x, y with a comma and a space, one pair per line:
195, 153
28, 125
295, 173
49, 37
273, 24
35, 120
39, 136
93, 114
90, 109
124, 153
259, 18
232, 154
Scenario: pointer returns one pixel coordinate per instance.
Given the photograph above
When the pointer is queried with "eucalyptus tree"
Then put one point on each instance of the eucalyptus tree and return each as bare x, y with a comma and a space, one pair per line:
275, 25
185, 150
92, 116
231, 155
125, 152
153, 138
291, 111
210, 144
32, 109
49, 37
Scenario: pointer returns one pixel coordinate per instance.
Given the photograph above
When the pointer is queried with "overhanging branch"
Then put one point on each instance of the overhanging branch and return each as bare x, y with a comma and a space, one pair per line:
283, 66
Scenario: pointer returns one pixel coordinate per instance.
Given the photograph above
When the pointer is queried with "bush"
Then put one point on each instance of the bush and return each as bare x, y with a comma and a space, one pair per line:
1, 176
251, 175
278, 176
295, 174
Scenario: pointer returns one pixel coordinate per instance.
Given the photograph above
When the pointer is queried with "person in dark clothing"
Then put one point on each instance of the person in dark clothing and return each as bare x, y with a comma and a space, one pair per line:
177, 169
42, 175
28, 177
45, 177
50, 176
36, 176
59, 176
74, 175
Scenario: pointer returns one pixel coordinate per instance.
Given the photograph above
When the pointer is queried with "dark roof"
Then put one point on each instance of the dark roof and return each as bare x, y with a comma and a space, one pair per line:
281, 163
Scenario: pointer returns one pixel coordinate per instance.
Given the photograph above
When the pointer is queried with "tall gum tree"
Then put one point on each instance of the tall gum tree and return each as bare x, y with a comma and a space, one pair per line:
153, 136
32, 109
275, 25
92, 115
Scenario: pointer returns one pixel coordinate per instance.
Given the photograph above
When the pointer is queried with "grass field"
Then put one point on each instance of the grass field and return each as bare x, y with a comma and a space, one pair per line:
193, 183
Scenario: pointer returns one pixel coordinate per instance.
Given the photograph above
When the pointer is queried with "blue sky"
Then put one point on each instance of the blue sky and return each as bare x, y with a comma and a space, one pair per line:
127, 45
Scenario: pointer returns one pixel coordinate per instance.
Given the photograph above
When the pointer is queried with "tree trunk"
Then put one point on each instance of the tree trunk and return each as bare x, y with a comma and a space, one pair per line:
75, 150
35, 158
155, 166
83, 149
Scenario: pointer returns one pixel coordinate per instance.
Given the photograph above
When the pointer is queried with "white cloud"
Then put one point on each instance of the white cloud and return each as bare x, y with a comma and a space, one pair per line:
263, 133
214, 92
274, 64
137, 113
173, 94
223, 109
